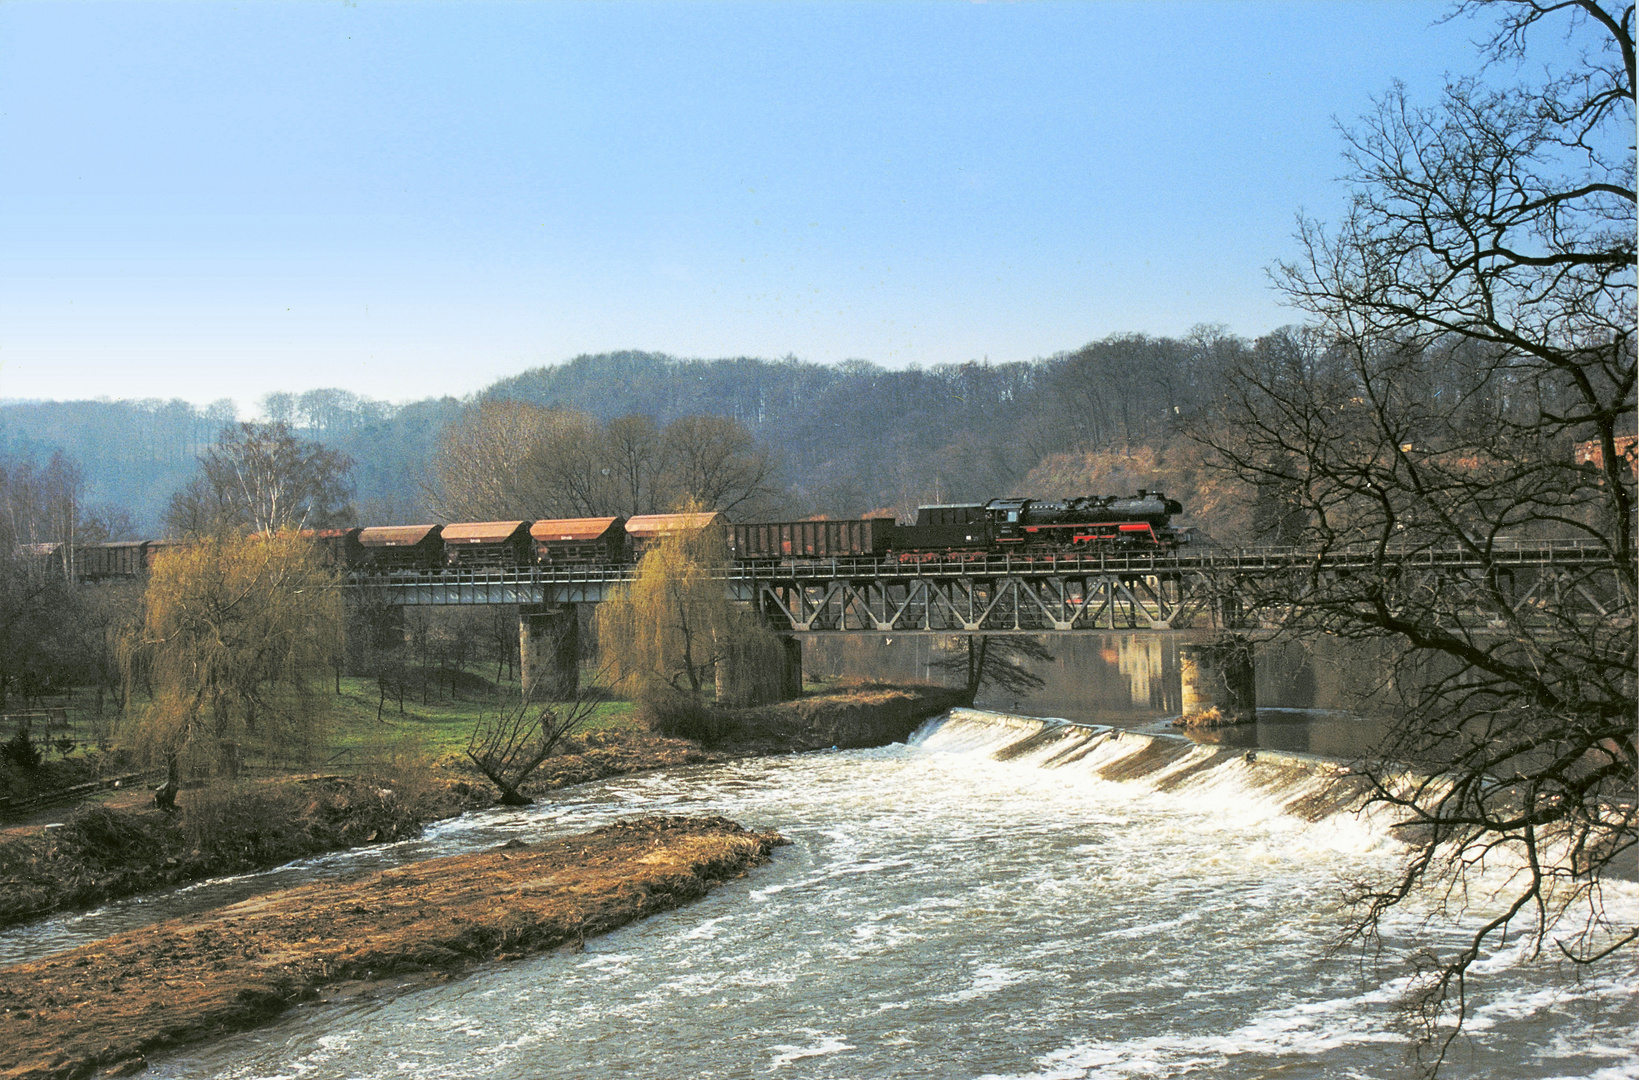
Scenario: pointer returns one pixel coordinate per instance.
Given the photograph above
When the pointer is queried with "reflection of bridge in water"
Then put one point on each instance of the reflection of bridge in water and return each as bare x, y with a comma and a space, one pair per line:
1222, 590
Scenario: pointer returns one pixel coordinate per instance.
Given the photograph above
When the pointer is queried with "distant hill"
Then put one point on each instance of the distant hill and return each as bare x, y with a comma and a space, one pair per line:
849, 438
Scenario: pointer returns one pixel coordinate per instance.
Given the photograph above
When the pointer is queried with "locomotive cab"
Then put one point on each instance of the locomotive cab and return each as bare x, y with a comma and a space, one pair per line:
1085, 521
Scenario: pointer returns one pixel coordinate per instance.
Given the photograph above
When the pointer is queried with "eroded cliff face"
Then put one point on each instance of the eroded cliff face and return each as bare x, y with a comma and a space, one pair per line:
846, 719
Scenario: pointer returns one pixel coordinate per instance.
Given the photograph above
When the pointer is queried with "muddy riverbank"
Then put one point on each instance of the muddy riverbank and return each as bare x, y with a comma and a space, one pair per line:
106, 851
108, 1004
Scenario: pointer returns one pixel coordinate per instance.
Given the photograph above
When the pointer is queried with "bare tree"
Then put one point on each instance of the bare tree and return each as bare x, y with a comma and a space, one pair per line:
483, 469
44, 505
1475, 313
261, 478
632, 452
37, 609
715, 462
567, 466
508, 459
510, 745
1000, 660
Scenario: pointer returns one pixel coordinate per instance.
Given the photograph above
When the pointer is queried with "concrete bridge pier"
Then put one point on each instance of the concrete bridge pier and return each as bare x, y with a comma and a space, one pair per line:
790, 667
548, 651
1218, 675
761, 672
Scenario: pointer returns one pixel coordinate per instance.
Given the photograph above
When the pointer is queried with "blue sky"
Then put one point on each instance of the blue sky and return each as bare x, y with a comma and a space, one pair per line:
403, 199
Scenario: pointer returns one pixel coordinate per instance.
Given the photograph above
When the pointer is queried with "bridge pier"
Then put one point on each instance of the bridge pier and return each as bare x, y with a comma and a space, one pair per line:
760, 672
548, 651
790, 667
1218, 675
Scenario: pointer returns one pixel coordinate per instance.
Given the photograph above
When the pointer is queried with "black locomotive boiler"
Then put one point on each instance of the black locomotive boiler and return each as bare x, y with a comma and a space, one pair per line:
1033, 527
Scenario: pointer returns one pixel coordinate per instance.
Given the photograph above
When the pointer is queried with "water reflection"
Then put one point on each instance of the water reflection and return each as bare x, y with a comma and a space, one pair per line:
1307, 694
1327, 732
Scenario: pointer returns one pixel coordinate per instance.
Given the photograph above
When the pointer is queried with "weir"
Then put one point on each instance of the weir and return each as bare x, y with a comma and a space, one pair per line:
1305, 786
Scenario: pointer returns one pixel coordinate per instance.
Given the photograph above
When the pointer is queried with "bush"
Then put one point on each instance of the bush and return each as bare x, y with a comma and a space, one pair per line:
100, 835
20, 751
681, 716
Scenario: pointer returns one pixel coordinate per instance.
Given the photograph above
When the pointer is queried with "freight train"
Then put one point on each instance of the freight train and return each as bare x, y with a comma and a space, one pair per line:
1029, 528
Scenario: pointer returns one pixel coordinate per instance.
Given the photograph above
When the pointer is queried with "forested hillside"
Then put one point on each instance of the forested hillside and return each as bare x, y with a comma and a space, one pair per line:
839, 440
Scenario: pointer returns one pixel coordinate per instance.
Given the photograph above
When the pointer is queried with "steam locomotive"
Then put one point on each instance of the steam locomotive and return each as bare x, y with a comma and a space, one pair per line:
1028, 527
1031, 528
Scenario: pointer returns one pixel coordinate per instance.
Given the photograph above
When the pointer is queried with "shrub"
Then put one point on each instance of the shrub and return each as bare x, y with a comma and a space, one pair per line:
20, 751
100, 835
681, 716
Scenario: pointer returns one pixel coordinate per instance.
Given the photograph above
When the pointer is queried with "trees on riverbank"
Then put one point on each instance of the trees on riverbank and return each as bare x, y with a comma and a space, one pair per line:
667, 634
235, 636
1002, 661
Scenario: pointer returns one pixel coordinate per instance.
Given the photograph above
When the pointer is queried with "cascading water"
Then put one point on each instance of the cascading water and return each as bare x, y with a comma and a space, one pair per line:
1004, 897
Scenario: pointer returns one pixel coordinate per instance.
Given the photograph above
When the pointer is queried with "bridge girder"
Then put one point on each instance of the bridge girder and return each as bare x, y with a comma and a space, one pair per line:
1002, 604
1530, 586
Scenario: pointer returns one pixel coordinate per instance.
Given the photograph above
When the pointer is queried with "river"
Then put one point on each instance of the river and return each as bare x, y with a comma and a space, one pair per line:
943, 913
1311, 695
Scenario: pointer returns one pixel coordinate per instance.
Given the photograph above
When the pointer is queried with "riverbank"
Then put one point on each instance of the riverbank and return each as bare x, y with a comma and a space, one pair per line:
846, 719
122, 847
102, 852
108, 1004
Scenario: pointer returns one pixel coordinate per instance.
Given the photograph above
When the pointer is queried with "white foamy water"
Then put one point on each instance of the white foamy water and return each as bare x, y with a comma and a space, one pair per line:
942, 913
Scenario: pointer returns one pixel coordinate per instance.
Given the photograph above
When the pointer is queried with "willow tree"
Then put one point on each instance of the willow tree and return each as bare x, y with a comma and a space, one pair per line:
236, 635
666, 632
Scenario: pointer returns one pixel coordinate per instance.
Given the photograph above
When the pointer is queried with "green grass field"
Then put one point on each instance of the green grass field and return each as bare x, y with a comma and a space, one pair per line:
437, 728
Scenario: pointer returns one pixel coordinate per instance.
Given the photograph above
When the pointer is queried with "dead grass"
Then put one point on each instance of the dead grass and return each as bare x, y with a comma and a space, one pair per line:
183, 981
868, 714
101, 852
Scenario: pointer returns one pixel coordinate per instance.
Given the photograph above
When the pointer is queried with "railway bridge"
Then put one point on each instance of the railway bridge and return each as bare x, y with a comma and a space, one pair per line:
1219, 598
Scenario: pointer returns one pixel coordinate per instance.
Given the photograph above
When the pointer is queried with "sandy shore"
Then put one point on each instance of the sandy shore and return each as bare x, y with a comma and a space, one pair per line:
105, 1005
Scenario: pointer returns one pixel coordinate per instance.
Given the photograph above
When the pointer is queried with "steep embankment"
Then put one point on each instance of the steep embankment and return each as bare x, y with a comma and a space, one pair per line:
183, 981
845, 719
101, 853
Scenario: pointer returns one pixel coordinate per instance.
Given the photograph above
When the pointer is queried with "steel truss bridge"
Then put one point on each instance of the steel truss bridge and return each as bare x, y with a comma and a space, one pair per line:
1148, 592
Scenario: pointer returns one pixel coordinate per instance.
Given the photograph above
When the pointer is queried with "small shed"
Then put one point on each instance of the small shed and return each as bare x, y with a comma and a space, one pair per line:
599, 541
469, 544
643, 531
402, 547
